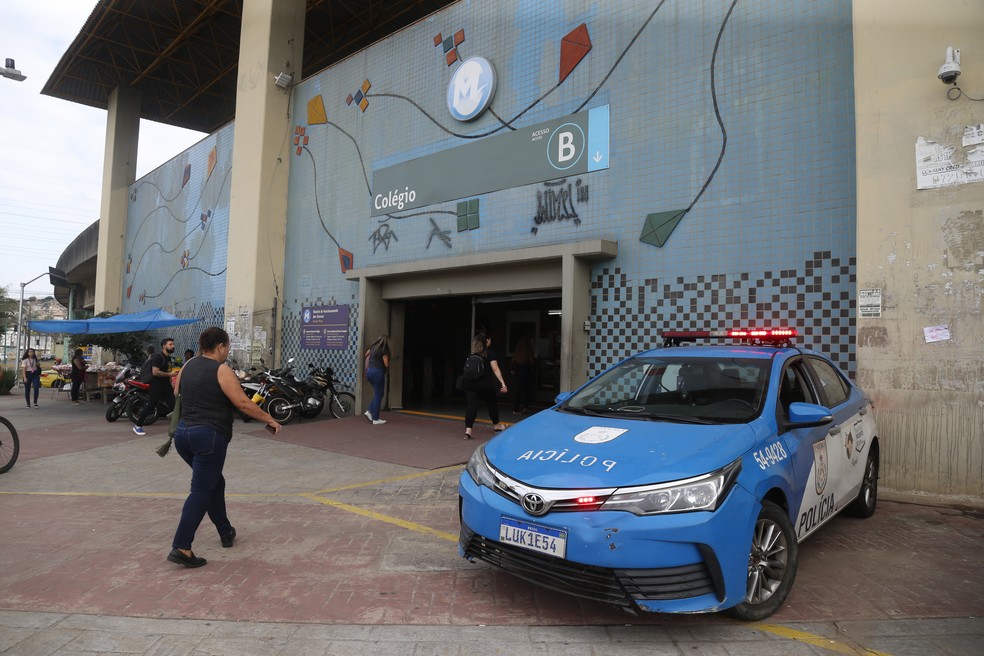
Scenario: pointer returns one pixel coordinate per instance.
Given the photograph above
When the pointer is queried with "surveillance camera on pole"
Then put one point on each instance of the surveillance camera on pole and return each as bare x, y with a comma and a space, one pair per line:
10, 70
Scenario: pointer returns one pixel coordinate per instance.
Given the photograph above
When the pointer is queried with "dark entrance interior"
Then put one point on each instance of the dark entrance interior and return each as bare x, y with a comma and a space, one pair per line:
438, 333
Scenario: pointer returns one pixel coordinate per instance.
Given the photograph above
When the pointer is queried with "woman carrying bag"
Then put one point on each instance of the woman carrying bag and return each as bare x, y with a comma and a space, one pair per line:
210, 394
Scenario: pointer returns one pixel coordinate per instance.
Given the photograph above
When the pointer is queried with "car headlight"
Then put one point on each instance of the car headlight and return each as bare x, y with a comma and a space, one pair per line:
478, 468
699, 493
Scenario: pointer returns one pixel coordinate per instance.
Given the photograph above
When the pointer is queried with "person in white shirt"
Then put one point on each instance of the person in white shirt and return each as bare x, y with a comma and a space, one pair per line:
32, 376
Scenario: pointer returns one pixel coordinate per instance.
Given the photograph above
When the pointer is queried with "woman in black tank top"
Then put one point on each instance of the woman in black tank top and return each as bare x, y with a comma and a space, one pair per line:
210, 394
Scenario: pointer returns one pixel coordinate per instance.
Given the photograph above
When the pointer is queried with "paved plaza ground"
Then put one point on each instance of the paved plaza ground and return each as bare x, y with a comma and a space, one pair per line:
347, 545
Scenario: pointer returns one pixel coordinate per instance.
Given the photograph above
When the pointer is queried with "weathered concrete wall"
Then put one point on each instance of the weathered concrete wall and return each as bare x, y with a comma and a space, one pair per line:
923, 249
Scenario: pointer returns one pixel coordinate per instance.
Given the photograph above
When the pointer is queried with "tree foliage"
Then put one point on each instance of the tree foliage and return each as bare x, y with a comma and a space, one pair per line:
8, 311
130, 345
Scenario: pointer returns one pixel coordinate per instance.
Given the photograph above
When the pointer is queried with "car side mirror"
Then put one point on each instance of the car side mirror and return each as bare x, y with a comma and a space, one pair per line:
808, 415
563, 396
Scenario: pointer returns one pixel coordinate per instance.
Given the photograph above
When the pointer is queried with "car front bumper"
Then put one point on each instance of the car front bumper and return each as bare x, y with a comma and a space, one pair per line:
673, 563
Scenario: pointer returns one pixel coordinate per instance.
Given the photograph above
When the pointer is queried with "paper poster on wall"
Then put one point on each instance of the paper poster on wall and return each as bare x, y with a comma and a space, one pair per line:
936, 333
869, 303
939, 165
325, 327
973, 135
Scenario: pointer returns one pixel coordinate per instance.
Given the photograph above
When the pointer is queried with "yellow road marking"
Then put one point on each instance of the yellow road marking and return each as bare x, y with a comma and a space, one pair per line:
817, 641
383, 481
417, 413
411, 526
145, 495
157, 495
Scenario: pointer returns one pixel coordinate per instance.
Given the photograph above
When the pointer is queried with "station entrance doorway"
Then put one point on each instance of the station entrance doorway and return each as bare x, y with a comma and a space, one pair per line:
431, 309
437, 336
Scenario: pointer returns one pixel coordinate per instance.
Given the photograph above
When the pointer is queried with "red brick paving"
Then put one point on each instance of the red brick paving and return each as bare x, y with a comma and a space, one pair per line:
301, 561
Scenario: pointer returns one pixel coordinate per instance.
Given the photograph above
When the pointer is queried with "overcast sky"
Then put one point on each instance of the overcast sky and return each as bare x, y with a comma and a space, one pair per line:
51, 150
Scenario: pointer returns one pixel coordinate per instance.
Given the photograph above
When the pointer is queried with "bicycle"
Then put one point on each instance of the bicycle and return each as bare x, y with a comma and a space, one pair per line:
9, 445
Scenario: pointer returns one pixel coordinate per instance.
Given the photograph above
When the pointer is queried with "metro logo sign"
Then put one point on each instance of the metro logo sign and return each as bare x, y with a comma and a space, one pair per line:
471, 89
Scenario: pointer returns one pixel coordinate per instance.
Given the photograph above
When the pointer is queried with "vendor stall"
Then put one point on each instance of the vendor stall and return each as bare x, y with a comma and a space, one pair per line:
99, 380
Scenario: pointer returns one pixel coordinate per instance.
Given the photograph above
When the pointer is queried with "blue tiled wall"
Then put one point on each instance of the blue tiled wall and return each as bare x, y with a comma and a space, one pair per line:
740, 113
177, 236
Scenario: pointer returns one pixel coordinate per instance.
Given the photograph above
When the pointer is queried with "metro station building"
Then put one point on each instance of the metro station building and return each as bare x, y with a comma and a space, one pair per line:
584, 173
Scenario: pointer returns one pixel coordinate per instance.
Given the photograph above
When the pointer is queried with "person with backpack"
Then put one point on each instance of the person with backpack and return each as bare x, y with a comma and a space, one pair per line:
377, 362
145, 368
482, 380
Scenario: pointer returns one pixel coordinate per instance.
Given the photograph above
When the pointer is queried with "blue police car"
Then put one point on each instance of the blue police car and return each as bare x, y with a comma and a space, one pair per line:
681, 480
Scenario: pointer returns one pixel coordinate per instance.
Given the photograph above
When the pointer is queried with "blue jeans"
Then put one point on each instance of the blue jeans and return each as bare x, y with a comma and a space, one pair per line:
377, 378
204, 449
32, 380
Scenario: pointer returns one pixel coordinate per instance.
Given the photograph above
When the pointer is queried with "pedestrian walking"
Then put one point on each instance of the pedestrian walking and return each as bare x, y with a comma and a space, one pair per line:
485, 384
32, 376
210, 395
377, 363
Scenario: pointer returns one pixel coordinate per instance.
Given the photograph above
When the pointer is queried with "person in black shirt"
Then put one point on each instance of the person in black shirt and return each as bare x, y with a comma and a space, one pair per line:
160, 383
487, 388
78, 374
210, 394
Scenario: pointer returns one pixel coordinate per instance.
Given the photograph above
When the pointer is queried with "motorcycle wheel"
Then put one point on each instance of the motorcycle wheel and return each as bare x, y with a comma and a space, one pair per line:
342, 405
114, 411
133, 411
280, 410
309, 411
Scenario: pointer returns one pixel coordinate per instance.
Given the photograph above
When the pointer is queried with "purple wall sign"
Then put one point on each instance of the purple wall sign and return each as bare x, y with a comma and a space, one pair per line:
325, 327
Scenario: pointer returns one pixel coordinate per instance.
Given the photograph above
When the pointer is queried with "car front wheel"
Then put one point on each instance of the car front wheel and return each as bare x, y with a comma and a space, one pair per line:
771, 564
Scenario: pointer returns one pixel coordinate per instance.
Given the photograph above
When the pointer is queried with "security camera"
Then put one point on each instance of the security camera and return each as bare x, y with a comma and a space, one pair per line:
950, 70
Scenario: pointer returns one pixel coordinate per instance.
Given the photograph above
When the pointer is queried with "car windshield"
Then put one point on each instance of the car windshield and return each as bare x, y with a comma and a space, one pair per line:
678, 389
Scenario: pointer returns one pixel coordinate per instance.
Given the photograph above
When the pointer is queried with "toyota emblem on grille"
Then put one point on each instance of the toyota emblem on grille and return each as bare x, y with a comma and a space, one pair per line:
534, 504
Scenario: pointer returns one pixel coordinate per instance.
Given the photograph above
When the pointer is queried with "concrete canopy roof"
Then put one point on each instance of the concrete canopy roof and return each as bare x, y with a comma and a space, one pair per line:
183, 55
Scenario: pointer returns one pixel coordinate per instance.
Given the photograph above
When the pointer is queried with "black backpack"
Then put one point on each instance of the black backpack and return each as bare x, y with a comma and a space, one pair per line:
147, 371
474, 367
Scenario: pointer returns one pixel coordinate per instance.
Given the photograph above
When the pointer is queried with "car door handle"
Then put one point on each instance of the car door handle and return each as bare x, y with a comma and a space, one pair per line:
835, 430
863, 411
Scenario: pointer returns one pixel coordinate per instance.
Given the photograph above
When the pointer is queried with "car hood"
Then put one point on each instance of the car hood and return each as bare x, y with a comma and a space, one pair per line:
554, 449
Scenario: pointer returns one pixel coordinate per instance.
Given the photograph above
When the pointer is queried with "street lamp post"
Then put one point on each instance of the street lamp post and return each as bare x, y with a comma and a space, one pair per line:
20, 313
10, 71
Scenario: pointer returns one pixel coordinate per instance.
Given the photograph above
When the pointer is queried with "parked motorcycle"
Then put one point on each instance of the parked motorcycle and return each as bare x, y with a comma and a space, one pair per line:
122, 394
340, 404
283, 396
140, 398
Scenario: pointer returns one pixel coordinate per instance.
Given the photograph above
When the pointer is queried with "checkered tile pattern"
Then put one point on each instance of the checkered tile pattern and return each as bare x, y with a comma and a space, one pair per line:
186, 337
818, 299
345, 363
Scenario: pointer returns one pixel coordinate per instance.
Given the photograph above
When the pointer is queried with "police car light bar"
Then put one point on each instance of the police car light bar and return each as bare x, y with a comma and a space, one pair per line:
779, 336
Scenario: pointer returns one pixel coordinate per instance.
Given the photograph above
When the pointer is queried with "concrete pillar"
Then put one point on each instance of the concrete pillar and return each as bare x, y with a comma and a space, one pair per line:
271, 42
119, 171
575, 303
